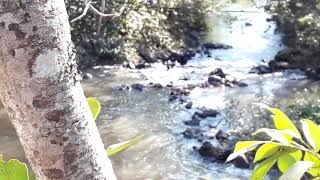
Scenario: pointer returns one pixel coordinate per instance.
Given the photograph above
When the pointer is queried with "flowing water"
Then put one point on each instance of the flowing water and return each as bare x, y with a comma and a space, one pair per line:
166, 154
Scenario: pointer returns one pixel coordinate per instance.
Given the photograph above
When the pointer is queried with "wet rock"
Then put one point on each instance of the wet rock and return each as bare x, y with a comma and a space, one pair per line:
87, 76
313, 74
207, 46
188, 105
123, 87
262, 69
215, 80
173, 98
278, 65
218, 72
193, 133
157, 86
222, 137
146, 56
240, 84
131, 65
138, 87
195, 121
248, 24
206, 112
215, 153
242, 163
182, 57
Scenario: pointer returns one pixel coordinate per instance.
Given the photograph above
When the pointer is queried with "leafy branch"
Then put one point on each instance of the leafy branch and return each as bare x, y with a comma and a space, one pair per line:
294, 154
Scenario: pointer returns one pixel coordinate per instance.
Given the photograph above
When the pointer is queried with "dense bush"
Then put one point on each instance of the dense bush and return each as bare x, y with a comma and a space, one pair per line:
300, 22
144, 28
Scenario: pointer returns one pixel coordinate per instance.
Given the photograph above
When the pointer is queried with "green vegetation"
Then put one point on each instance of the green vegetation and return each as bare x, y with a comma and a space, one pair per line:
13, 169
300, 23
305, 105
145, 30
295, 151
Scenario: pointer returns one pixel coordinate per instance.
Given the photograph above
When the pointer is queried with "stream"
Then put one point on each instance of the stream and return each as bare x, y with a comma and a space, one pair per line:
166, 154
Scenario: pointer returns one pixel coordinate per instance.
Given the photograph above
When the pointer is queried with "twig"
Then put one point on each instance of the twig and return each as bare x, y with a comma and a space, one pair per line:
103, 8
89, 6
102, 14
83, 13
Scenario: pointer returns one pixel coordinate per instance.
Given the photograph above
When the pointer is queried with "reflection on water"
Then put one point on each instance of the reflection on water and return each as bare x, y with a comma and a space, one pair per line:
165, 154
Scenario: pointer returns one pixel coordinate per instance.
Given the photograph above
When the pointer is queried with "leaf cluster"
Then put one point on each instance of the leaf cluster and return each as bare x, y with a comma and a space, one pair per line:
295, 152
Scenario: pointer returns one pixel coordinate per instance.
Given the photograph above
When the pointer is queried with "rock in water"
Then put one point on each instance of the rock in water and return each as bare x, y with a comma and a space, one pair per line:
218, 72
87, 76
209, 151
195, 121
193, 133
138, 87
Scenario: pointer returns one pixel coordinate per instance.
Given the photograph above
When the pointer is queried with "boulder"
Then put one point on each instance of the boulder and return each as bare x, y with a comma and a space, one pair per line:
218, 72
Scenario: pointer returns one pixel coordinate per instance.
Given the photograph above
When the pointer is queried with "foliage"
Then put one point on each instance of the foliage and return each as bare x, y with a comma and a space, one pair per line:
115, 148
294, 151
13, 169
305, 105
153, 28
95, 107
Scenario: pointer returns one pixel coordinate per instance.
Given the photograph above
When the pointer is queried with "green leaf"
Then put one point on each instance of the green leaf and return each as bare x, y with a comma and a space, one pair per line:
115, 148
282, 136
95, 107
312, 133
297, 170
287, 159
13, 170
243, 147
265, 151
315, 170
261, 169
282, 121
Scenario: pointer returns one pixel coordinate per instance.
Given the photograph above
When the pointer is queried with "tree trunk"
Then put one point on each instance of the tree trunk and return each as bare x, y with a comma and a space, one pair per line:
42, 94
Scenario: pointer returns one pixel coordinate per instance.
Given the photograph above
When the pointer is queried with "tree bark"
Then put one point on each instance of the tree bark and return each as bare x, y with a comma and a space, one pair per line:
42, 94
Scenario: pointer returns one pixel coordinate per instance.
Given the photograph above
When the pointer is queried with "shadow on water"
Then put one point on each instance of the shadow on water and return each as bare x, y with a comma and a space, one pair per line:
165, 154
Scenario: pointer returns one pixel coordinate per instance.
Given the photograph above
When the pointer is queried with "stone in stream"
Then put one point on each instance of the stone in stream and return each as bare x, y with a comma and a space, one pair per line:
138, 87
123, 87
261, 69
195, 121
193, 133
206, 46
240, 84
215, 80
207, 150
188, 105
206, 112
218, 72
87, 76
156, 85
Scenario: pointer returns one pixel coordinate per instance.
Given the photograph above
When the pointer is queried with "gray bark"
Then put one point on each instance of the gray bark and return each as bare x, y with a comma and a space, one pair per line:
40, 91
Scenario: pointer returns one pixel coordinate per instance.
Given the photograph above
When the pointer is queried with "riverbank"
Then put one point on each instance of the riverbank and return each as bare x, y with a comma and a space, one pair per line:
299, 21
